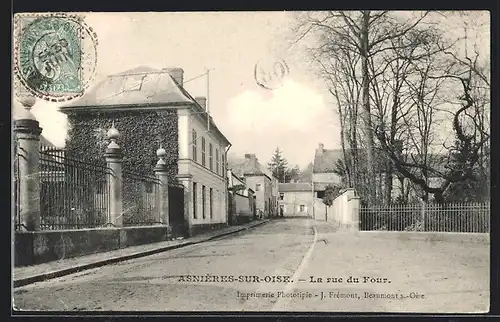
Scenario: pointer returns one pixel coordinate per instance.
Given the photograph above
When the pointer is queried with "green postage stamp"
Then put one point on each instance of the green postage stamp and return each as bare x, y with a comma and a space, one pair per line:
55, 55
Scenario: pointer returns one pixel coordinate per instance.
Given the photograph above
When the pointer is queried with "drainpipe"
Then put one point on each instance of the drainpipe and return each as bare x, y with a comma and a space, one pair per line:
312, 184
226, 182
312, 197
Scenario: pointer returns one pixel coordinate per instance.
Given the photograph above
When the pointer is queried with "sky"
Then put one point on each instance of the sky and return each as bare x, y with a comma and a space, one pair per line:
295, 117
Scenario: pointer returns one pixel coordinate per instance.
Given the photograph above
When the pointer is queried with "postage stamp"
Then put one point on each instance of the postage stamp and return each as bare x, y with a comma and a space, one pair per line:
55, 55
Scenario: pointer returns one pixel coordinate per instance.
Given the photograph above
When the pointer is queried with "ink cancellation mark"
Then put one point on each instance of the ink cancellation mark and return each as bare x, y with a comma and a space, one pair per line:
270, 73
55, 55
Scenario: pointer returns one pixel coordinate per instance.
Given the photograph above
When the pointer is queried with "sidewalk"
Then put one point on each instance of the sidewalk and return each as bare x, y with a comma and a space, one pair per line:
36, 273
453, 277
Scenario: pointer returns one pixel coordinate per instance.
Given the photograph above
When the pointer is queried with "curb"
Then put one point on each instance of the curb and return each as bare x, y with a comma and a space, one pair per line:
75, 269
235, 231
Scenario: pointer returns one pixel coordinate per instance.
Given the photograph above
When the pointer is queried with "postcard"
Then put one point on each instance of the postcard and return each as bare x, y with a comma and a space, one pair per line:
319, 161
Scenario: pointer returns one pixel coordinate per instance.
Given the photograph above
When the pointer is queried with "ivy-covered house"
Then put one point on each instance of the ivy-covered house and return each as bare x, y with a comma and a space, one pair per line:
150, 107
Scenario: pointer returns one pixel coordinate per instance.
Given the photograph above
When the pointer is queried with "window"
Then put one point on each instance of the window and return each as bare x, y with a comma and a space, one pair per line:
211, 203
302, 208
223, 166
282, 195
203, 152
195, 150
203, 201
211, 157
195, 199
257, 187
133, 83
217, 161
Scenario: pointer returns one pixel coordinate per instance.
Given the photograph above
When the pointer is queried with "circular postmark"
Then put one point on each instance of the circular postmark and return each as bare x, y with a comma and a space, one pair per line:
55, 56
270, 73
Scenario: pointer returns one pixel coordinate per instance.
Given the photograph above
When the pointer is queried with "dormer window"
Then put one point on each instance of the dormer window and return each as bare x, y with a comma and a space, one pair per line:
133, 83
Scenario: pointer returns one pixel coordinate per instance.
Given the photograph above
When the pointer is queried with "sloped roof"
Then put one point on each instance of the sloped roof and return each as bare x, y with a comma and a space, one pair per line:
242, 167
325, 162
140, 86
294, 187
46, 143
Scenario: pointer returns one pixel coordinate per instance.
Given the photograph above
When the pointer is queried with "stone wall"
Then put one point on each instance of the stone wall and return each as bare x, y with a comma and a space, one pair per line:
39, 247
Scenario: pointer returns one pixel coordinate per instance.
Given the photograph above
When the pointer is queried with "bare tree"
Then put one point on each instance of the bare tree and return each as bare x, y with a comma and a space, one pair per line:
462, 156
364, 34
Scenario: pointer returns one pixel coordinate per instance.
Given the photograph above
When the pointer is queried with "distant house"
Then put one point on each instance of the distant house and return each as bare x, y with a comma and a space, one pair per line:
242, 206
150, 107
259, 180
325, 173
296, 199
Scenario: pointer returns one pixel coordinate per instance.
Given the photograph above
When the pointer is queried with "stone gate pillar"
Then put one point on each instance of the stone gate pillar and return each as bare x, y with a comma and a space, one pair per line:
27, 133
161, 175
187, 182
114, 160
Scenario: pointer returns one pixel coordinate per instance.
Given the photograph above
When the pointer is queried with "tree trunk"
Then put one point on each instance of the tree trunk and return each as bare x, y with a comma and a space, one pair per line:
389, 167
438, 196
342, 142
366, 106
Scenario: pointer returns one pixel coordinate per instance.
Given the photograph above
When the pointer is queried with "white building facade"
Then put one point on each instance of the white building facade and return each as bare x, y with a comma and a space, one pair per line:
202, 168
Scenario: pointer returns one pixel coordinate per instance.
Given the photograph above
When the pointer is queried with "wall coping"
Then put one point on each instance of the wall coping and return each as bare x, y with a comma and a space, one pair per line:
90, 229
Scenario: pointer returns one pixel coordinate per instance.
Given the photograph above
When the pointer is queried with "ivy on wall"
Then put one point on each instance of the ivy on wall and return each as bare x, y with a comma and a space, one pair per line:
141, 133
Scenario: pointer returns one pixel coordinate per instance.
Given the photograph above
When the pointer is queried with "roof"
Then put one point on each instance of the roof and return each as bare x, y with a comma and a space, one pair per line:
325, 162
46, 143
140, 86
248, 166
235, 180
294, 187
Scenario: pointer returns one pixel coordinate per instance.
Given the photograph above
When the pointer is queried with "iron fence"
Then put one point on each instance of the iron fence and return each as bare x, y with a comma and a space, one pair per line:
141, 203
74, 193
450, 217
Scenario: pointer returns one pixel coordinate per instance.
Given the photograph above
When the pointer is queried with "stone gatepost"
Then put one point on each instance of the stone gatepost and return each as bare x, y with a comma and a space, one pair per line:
187, 182
27, 133
114, 160
355, 203
161, 175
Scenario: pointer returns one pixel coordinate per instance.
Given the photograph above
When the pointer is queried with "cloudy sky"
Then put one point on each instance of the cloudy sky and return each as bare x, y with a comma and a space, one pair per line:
295, 117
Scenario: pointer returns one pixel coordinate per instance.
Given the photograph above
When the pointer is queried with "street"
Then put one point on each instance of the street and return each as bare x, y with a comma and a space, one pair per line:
291, 264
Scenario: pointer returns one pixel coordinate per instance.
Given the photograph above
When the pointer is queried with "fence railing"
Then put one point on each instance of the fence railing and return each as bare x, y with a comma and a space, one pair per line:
74, 193
58, 189
140, 199
450, 217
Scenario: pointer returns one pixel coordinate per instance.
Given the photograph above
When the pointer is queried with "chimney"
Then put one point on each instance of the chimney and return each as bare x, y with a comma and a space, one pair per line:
249, 156
321, 148
202, 101
177, 74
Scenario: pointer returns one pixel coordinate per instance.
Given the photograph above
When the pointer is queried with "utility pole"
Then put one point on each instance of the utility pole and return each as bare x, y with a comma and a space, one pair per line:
208, 100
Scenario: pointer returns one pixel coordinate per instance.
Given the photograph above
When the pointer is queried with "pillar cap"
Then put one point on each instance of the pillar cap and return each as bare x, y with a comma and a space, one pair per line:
113, 133
112, 151
161, 166
26, 102
161, 152
30, 126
